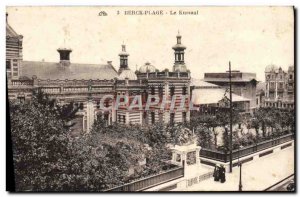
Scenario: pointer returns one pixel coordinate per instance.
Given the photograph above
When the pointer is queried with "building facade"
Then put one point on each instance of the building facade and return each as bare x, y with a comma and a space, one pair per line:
280, 87
86, 85
243, 84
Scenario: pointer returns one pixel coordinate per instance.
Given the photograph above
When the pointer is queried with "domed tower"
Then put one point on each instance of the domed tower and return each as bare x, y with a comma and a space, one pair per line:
179, 65
147, 68
123, 59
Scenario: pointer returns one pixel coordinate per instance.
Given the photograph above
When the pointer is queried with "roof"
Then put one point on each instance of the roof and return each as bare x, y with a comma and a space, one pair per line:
147, 68
271, 68
10, 32
53, 70
291, 68
201, 83
127, 74
213, 95
260, 86
227, 80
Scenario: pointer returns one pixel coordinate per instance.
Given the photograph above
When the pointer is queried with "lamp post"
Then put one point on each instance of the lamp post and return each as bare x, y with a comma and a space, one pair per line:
240, 164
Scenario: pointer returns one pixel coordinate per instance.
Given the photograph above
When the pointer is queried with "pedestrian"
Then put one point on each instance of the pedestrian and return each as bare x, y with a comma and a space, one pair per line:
216, 174
222, 174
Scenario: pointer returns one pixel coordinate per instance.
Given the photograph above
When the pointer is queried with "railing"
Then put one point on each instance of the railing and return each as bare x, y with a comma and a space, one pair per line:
151, 181
164, 75
224, 157
21, 82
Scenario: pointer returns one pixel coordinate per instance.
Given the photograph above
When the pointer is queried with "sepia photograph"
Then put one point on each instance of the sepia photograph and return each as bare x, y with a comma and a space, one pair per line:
150, 99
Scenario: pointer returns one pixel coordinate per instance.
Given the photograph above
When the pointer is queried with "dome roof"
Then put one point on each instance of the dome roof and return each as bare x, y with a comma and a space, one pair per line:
147, 68
271, 68
178, 46
291, 69
127, 73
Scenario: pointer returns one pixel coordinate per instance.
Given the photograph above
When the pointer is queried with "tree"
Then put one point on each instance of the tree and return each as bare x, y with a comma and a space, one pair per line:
40, 147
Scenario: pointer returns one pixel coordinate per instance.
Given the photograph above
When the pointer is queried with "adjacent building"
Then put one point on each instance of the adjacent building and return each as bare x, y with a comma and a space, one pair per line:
243, 84
279, 87
211, 98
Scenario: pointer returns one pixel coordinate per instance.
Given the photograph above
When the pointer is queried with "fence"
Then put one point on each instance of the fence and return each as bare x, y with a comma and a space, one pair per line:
248, 150
192, 181
151, 181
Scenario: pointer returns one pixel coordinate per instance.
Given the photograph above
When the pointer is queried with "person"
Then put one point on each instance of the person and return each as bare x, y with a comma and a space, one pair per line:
216, 174
222, 174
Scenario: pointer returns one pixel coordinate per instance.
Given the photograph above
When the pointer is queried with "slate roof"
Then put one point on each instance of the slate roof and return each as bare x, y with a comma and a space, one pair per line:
10, 32
53, 70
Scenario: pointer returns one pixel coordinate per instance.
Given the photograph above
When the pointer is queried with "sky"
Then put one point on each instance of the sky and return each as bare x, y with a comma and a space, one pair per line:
249, 37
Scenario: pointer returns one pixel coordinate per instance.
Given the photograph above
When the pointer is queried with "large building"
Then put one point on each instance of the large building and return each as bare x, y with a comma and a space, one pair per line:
280, 87
86, 85
211, 98
243, 84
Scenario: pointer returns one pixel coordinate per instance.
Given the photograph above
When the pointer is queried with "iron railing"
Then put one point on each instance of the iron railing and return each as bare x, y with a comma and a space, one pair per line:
150, 181
247, 150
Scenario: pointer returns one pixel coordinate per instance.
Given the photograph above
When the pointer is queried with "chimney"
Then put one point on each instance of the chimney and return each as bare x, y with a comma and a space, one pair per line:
64, 55
109, 62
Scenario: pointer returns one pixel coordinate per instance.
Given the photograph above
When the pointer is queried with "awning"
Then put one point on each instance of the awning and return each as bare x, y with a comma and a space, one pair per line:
213, 95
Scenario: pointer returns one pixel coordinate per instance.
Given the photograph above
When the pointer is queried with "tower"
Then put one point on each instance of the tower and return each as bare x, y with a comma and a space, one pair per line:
179, 65
64, 55
123, 59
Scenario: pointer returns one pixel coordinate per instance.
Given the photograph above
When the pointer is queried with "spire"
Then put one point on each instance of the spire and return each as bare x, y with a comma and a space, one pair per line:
123, 47
179, 48
178, 38
123, 58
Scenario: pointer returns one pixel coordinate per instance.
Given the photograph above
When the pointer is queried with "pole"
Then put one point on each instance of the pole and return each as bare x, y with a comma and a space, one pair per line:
240, 185
240, 165
230, 93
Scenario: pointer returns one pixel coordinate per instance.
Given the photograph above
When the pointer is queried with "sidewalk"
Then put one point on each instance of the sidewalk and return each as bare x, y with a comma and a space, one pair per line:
256, 175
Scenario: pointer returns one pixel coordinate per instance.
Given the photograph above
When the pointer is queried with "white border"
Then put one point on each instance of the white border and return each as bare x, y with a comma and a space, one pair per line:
5, 3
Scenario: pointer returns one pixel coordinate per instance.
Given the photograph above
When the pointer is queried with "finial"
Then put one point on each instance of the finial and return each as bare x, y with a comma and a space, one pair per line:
123, 47
6, 17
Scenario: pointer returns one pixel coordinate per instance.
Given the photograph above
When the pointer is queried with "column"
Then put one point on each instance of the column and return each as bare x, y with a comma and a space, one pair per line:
276, 84
90, 115
127, 118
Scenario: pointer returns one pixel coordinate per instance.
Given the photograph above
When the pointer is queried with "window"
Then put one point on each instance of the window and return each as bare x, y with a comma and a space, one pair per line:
291, 76
152, 90
81, 106
153, 117
8, 65
172, 91
21, 99
160, 92
184, 117
184, 90
172, 115
280, 85
160, 117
